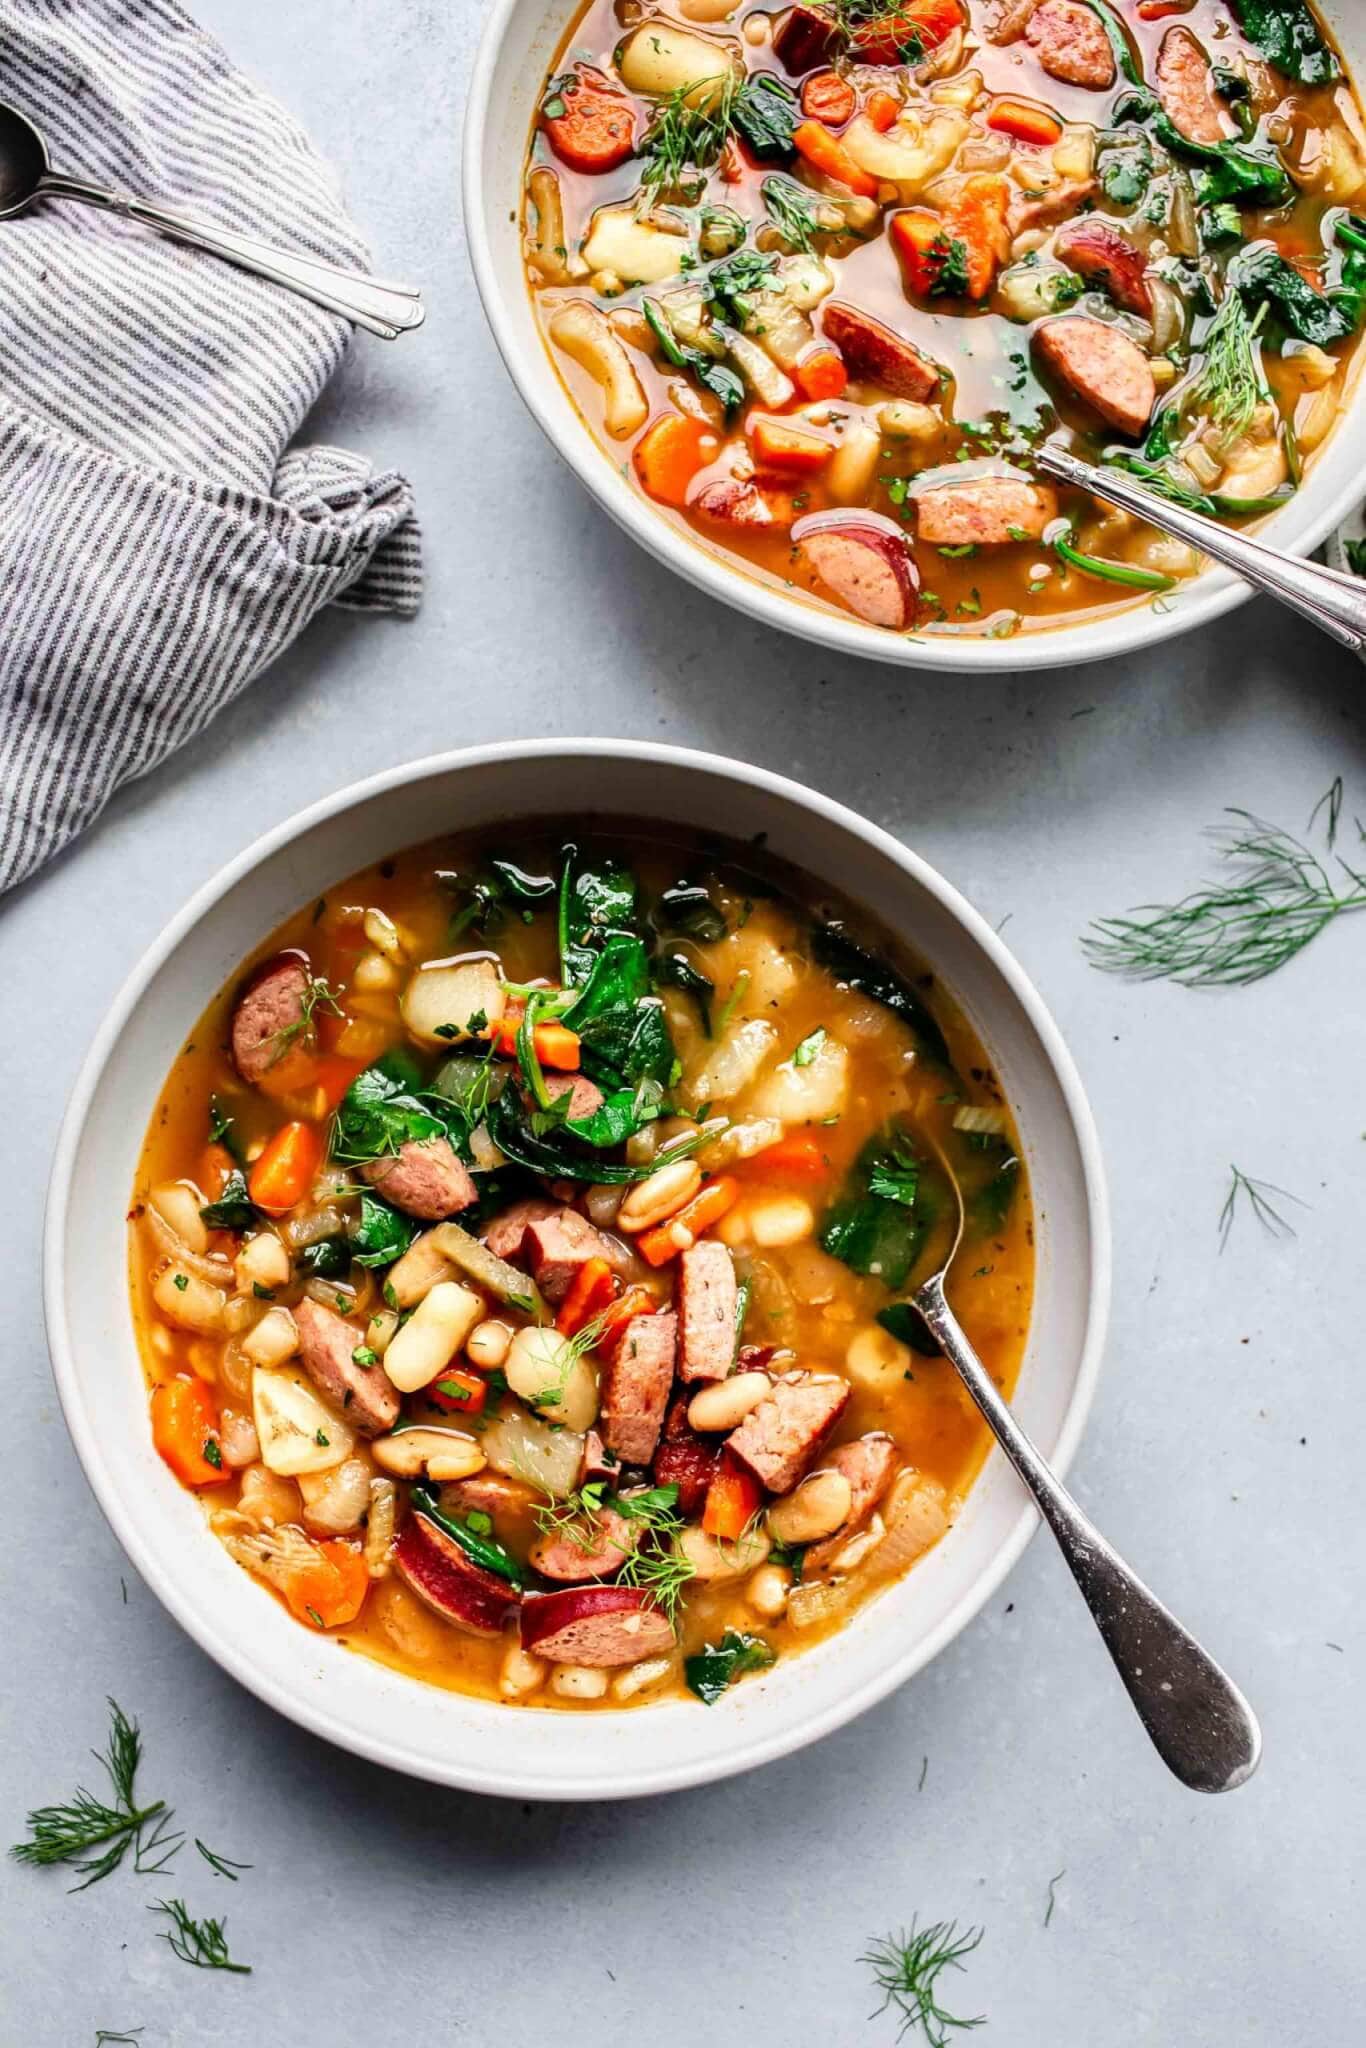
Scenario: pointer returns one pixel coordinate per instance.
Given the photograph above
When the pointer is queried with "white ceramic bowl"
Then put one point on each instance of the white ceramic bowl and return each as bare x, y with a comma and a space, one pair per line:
518, 46
346, 1697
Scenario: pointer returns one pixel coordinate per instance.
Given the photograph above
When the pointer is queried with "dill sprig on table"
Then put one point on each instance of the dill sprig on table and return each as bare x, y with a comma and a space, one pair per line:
907, 1967
1275, 897
222, 1866
67, 1833
1258, 1195
201, 1943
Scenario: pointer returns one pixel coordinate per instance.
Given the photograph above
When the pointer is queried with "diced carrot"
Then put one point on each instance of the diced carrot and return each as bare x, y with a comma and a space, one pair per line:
707, 1206
669, 454
335, 1075
736, 163
828, 97
556, 1045
882, 109
593, 1289
185, 1431
788, 449
591, 127
732, 1501
1024, 120
331, 1591
283, 1174
215, 1164
919, 26
636, 1301
821, 373
1160, 10
829, 156
920, 241
458, 1392
799, 1154
976, 216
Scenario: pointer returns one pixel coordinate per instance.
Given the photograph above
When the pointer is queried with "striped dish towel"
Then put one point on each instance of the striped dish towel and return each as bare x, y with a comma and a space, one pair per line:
158, 545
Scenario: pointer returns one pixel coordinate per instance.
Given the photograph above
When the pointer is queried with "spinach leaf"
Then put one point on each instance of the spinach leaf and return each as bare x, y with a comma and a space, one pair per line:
623, 1033
718, 378
687, 909
223, 1130
766, 113
1125, 167
1287, 35
518, 886
234, 1208
717, 1666
617, 978
593, 902
481, 1550
842, 956
903, 1320
1233, 171
383, 1110
675, 970
1261, 273
874, 1227
329, 1259
729, 283
988, 1204
484, 899
553, 1152
382, 1235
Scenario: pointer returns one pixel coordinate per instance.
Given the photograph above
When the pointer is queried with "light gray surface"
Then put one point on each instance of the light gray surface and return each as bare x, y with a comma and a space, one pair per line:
1223, 1455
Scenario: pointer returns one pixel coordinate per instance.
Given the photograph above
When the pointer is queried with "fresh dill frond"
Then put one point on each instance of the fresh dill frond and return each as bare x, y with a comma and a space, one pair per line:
156, 1851
574, 1348
907, 1967
1228, 386
656, 1565
201, 1943
223, 1866
318, 995
1331, 803
1276, 896
111, 2037
1258, 1194
576, 1516
793, 210
1053, 1884
66, 1833
688, 133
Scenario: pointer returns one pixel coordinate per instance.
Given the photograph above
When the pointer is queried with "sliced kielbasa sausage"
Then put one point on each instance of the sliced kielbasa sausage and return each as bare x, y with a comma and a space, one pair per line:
635, 1385
1186, 91
600, 1625
1102, 366
707, 1299
452, 1584
983, 511
878, 353
779, 1438
1071, 44
424, 1178
327, 1348
269, 1016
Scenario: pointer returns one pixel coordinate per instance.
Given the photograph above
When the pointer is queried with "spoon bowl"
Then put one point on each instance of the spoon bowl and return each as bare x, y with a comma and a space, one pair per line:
23, 161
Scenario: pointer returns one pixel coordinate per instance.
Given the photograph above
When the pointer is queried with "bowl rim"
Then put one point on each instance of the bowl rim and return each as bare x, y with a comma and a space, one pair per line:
1214, 592
298, 1702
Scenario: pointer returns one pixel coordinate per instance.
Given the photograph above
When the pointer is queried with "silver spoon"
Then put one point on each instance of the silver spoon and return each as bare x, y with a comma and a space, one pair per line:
1198, 1721
26, 174
1335, 603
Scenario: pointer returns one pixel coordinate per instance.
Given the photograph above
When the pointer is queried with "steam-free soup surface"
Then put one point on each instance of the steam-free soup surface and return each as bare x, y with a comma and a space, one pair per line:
516, 1252
823, 280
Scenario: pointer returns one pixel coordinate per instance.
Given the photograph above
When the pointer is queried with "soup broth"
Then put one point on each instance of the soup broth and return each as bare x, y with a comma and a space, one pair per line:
508, 1249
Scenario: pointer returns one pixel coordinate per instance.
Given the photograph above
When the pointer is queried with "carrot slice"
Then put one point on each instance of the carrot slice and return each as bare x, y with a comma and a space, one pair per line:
977, 217
593, 1289
799, 1154
556, 1045
882, 109
636, 1301
920, 241
829, 156
777, 445
1161, 10
284, 1172
458, 1392
331, 1591
732, 1501
669, 454
185, 1431
589, 126
828, 97
916, 28
707, 1206
821, 373
1024, 120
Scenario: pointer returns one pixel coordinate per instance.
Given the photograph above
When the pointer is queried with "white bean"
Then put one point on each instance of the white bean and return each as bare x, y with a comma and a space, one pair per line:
636, 1677
543, 1370
781, 1219
383, 934
178, 1203
820, 1505
437, 1329
520, 1673
725, 1405
487, 1345
578, 1682
663, 1194
189, 1302
716, 1561
374, 975
876, 1358
443, 1454
767, 1591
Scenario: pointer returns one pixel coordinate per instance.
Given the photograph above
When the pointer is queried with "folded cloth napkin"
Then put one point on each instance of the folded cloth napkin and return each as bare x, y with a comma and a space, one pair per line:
157, 545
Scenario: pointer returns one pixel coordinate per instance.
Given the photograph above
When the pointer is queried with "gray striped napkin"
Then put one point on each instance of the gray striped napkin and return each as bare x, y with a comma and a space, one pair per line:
157, 546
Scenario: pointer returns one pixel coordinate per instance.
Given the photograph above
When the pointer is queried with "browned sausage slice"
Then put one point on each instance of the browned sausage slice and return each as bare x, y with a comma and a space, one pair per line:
635, 1385
802, 39
326, 1347
1101, 254
878, 353
983, 511
586, 1550
269, 1017
601, 1625
685, 1459
558, 1244
779, 1438
424, 1178
871, 572
1102, 366
1045, 209
707, 1300
1072, 44
868, 1464
1184, 88
453, 1585
734, 501
506, 1232
585, 1096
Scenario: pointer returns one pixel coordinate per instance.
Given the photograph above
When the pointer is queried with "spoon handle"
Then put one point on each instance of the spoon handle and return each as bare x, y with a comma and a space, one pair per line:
1335, 603
1200, 1724
384, 309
